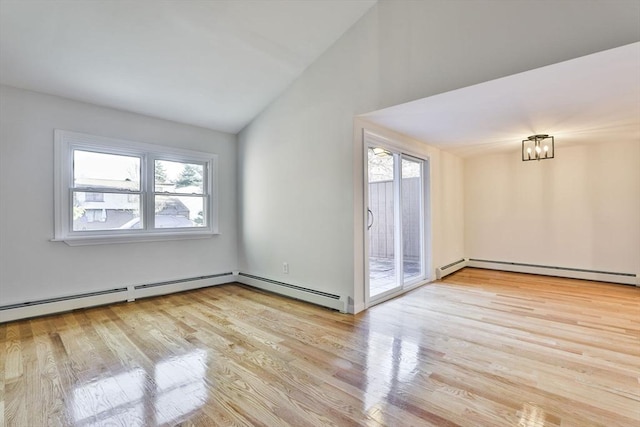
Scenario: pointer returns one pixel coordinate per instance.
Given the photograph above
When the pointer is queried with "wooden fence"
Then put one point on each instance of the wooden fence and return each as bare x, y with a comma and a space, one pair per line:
381, 243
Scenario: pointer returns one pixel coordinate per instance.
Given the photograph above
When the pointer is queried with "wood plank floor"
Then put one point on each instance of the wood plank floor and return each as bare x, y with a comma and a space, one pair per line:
481, 348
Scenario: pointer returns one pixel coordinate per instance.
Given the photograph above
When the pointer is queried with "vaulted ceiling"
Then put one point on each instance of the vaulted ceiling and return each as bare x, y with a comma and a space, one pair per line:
218, 64
215, 64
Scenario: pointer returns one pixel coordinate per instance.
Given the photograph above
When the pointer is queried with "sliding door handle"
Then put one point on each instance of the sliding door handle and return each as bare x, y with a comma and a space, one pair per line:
370, 215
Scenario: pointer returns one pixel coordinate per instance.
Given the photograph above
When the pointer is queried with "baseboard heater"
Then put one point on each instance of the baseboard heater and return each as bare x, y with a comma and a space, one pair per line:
549, 270
450, 268
170, 286
42, 307
173, 282
60, 304
59, 299
324, 299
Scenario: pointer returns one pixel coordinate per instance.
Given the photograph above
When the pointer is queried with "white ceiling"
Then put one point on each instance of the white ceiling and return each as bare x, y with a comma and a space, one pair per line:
592, 98
215, 64
219, 63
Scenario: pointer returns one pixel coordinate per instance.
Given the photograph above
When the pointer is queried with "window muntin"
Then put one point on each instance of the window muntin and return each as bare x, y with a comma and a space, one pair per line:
112, 190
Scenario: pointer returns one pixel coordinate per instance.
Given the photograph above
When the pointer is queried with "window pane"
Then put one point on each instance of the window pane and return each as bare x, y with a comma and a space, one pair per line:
179, 211
105, 211
178, 177
99, 170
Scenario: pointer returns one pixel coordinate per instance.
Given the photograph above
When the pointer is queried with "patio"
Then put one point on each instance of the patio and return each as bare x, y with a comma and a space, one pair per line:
382, 273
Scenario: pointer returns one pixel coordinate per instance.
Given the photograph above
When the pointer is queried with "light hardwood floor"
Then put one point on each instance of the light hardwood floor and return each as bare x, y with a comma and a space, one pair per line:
480, 348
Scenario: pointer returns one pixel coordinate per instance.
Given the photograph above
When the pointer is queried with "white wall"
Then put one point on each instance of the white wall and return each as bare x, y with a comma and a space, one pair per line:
299, 169
32, 267
578, 210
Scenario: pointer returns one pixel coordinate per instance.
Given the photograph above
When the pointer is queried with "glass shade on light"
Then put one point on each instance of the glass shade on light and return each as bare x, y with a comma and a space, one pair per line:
380, 152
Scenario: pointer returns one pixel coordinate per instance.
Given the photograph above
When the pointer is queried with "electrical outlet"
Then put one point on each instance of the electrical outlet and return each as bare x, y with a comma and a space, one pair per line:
285, 267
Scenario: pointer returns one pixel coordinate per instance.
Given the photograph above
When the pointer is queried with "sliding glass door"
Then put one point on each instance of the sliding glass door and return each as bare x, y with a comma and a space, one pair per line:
395, 221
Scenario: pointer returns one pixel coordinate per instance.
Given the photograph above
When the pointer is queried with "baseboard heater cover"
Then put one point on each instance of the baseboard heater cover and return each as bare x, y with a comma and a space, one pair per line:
173, 282
60, 304
24, 310
550, 270
60, 299
179, 285
325, 299
450, 268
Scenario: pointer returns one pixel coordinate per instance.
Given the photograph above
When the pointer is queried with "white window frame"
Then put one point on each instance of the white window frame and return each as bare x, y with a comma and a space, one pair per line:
65, 142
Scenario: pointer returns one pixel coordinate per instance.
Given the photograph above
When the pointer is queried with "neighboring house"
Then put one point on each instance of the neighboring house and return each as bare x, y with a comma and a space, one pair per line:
107, 211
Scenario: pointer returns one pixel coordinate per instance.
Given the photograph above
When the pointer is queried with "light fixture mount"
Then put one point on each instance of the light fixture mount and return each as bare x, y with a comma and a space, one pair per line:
538, 147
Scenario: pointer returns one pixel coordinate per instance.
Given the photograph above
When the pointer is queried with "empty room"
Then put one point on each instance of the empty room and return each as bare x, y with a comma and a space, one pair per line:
320, 213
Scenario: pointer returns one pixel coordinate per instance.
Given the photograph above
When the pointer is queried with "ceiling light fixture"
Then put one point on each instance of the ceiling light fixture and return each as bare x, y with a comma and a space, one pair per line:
381, 152
538, 147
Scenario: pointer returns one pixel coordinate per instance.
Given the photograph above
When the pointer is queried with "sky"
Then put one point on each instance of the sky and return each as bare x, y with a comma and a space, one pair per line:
115, 167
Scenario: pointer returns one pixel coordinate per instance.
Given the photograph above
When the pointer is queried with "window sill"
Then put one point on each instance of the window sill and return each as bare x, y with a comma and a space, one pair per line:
138, 238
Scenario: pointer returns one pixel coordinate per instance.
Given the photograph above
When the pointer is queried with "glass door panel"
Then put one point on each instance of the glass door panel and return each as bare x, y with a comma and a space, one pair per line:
412, 224
381, 222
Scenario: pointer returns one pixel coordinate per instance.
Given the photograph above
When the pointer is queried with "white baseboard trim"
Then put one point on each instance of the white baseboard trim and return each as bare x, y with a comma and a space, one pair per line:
572, 273
131, 293
324, 299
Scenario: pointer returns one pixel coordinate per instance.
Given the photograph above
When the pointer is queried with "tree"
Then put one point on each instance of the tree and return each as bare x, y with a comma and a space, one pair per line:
199, 220
161, 173
190, 175
380, 166
78, 212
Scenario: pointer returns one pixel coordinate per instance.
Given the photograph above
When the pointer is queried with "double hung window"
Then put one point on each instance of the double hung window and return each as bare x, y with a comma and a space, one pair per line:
110, 190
